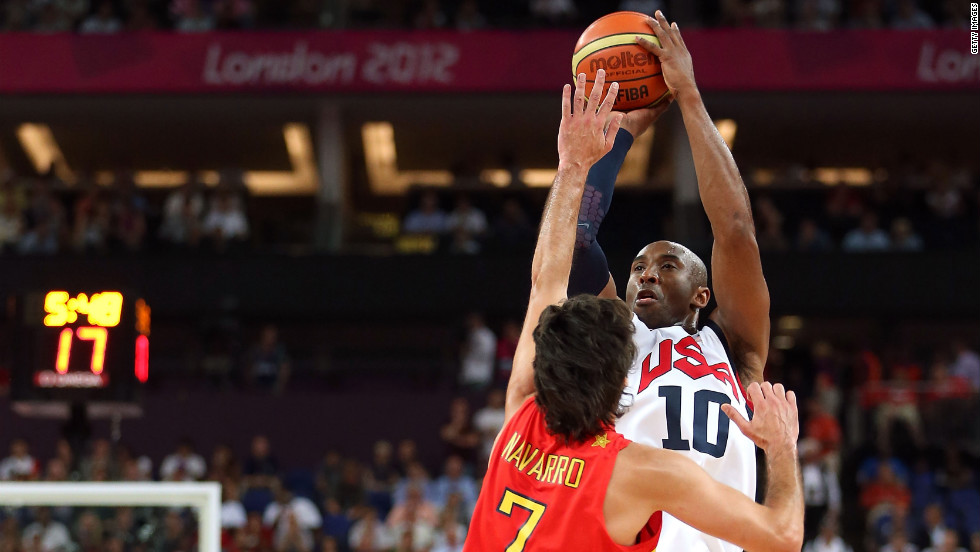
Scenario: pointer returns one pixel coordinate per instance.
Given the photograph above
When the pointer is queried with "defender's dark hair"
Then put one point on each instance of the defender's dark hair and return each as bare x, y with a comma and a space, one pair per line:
584, 350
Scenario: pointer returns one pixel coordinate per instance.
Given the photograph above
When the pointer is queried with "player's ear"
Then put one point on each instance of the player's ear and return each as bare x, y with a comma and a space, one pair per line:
701, 297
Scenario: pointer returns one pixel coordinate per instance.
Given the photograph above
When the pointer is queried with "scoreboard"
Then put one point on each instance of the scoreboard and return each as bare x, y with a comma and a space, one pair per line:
78, 345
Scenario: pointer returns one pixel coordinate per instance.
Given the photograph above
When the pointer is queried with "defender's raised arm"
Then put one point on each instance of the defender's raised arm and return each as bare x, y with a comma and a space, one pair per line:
586, 134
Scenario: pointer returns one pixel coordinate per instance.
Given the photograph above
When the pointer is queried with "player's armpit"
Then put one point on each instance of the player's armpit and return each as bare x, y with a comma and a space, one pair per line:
684, 490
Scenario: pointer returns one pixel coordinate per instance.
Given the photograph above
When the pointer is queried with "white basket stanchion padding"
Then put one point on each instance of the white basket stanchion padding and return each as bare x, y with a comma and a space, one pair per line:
205, 497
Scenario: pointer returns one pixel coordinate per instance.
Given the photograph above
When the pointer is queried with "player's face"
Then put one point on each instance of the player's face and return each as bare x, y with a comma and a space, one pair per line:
660, 289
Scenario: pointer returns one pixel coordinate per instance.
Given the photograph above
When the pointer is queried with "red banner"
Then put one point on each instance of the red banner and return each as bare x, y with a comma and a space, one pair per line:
490, 61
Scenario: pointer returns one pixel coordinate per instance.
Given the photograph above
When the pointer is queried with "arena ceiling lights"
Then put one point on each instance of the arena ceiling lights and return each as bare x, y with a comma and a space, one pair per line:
43, 151
384, 178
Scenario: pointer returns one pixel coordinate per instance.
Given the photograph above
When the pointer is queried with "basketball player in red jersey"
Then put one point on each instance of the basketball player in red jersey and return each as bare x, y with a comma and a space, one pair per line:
560, 477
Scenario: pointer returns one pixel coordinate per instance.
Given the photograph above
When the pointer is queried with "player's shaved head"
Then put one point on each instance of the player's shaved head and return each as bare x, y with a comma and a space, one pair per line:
668, 285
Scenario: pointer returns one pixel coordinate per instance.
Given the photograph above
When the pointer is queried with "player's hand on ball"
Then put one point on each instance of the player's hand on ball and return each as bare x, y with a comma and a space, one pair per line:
587, 129
675, 59
637, 122
775, 423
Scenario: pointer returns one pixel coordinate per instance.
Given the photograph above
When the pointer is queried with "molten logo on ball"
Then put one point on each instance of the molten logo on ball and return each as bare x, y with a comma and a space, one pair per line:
624, 60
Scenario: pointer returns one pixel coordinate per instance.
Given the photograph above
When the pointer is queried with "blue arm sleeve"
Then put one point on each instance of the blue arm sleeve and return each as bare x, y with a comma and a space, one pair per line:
590, 270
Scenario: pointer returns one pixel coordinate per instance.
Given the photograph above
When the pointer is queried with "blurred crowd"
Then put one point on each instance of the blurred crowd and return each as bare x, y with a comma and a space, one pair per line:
916, 208
889, 448
112, 16
387, 499
889, 445
44, 216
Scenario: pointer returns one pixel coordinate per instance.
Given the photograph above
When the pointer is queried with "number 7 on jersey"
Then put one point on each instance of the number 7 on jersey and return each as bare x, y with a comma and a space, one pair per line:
506, 507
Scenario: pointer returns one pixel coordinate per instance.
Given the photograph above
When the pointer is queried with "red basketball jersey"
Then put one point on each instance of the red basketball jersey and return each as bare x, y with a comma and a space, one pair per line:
541, 495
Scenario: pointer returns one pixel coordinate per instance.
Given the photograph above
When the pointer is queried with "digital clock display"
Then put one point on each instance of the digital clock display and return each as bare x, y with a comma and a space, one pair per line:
82, 340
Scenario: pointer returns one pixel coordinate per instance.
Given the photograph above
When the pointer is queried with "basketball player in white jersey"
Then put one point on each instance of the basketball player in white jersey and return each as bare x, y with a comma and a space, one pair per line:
684, 374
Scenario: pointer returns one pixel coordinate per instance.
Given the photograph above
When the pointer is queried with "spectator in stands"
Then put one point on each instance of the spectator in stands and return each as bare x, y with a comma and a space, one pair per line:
224, 466
261, 467
351, 494
184, 464
934, 527
427, 218
63, 452
128, 213
46, 534
455, 481
182, 212
292, 536
304, 509
329, 474
828, 540
506, 348
15, 15
139, 17
477, 354
89, 532
382, 475
370, 534
430, 16
959, 482
468, 16
488, 421
225, 223
866, 14
416, 477
124, 527
553, 12
268, 364
449, 537
92, 224
467, 218
20, 465
769, 225
824, 429
966, 364
511, 230
811, 238
950, 542
40, 239
899, 542
191, 16
103, 21
233, 515
867, 237
51, 18
459, 435
821, 489
818, 15
908, 15
467, 225
406, 454
904, 237
11, 220
885, 490
415, 509
254, 537
233, 14
100, 460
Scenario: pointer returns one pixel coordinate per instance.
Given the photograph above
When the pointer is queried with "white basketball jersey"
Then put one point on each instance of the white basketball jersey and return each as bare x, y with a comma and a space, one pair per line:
676, 388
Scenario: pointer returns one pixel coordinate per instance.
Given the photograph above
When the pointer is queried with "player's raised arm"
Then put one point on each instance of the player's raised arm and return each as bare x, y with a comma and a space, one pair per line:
586, 133
688, 493
739, 285
590, 271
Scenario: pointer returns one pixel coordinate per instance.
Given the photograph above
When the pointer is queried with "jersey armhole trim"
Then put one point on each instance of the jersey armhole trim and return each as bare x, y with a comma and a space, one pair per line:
731, 358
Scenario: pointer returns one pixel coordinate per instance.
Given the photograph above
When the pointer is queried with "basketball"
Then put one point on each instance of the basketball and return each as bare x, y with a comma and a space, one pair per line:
609, 44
